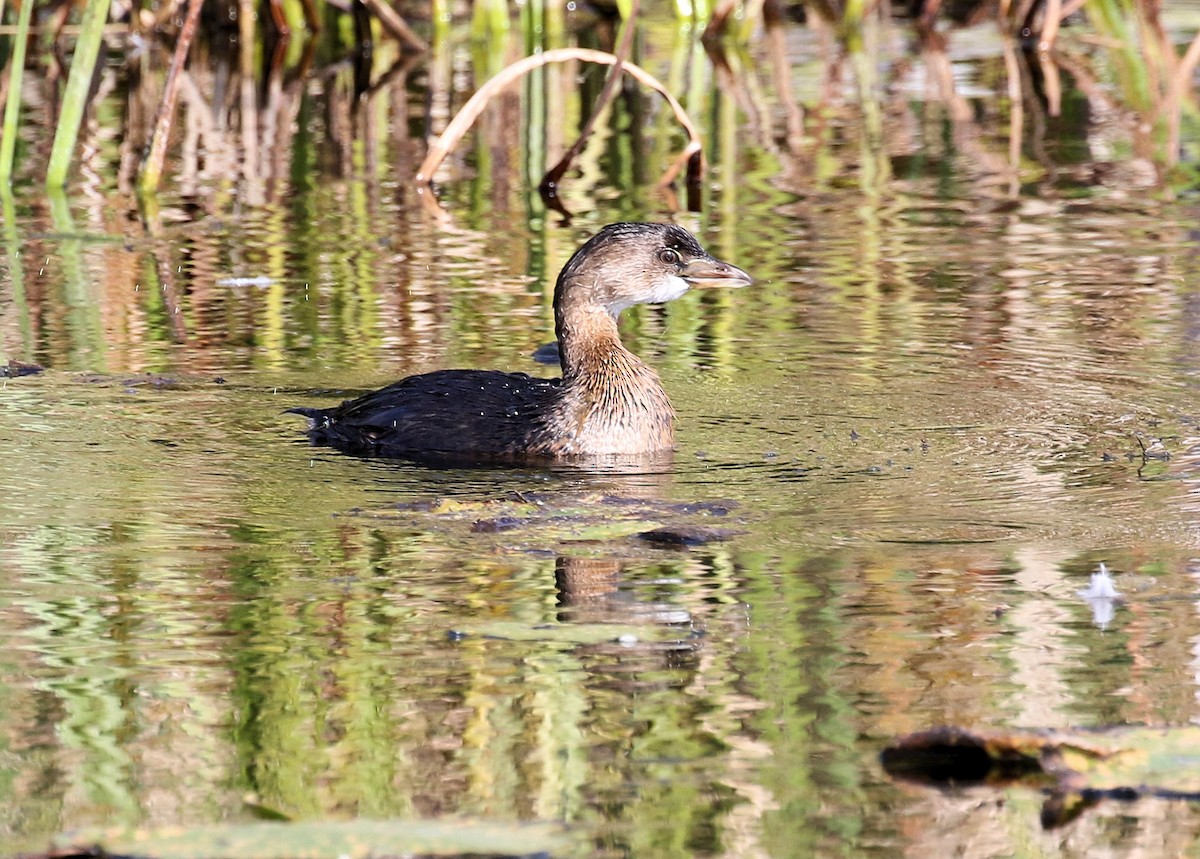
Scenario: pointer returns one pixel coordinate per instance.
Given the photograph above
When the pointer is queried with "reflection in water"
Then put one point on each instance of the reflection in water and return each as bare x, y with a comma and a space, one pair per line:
966, 379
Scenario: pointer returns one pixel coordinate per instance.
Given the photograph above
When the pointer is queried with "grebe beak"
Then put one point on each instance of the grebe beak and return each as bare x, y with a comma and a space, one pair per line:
706, 271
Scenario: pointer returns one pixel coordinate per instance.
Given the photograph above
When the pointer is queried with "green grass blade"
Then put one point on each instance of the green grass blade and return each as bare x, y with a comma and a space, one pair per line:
12, 110
16, 273
79, 83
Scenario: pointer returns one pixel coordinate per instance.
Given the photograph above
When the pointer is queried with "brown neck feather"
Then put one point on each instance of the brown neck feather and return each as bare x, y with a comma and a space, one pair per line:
611, 401
587, 335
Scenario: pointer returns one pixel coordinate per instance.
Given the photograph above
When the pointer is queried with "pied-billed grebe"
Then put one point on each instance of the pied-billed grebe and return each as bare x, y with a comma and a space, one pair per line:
606, 403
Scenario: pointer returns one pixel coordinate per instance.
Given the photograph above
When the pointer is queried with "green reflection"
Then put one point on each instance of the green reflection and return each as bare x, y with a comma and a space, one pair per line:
84, 331
16, 278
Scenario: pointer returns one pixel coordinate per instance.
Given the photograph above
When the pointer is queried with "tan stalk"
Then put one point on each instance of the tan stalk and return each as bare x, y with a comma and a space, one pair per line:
470, 111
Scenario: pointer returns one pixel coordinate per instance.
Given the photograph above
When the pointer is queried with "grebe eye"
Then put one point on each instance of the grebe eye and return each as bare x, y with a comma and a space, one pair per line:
667, 256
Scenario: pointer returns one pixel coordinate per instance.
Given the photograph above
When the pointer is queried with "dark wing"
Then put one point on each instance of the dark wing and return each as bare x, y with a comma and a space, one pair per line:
449, 411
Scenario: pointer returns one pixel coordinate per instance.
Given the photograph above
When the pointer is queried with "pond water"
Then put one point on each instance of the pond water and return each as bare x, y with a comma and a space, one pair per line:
968, 374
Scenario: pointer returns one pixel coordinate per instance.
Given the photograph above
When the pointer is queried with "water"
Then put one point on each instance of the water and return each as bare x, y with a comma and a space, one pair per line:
959, 386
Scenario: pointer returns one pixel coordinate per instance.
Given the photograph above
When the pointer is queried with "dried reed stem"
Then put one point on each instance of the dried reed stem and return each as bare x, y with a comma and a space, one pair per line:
1173, 103
394, 24
470, 111
1051, 82
1051, 19
719, 20
549, 184
1183, 74
152, 166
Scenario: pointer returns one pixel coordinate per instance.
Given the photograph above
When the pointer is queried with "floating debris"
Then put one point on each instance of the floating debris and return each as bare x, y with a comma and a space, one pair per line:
1102, 586
1102, 595
261, 280
13, 369
525, 520
1076, 768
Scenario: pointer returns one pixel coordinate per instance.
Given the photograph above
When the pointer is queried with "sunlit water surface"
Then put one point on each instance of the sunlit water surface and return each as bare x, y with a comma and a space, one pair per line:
948, 398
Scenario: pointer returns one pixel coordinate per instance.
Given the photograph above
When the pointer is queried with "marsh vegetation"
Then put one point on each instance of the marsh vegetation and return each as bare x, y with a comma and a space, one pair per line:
966, 376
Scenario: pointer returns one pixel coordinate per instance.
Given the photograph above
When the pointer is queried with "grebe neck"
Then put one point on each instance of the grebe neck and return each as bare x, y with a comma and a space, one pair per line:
588, 342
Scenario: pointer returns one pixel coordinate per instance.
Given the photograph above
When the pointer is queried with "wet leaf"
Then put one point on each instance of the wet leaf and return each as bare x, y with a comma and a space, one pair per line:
356, 839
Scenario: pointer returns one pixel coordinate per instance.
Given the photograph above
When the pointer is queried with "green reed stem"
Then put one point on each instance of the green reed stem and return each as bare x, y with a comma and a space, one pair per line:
852, 24
12, 110
1117, 21
16, 270
79, 85
489, 18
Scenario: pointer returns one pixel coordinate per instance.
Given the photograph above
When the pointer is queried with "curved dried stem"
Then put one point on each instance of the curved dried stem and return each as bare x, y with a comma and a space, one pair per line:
470, 111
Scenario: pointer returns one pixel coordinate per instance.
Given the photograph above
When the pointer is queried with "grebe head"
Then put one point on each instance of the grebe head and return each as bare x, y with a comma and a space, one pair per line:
633, 263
